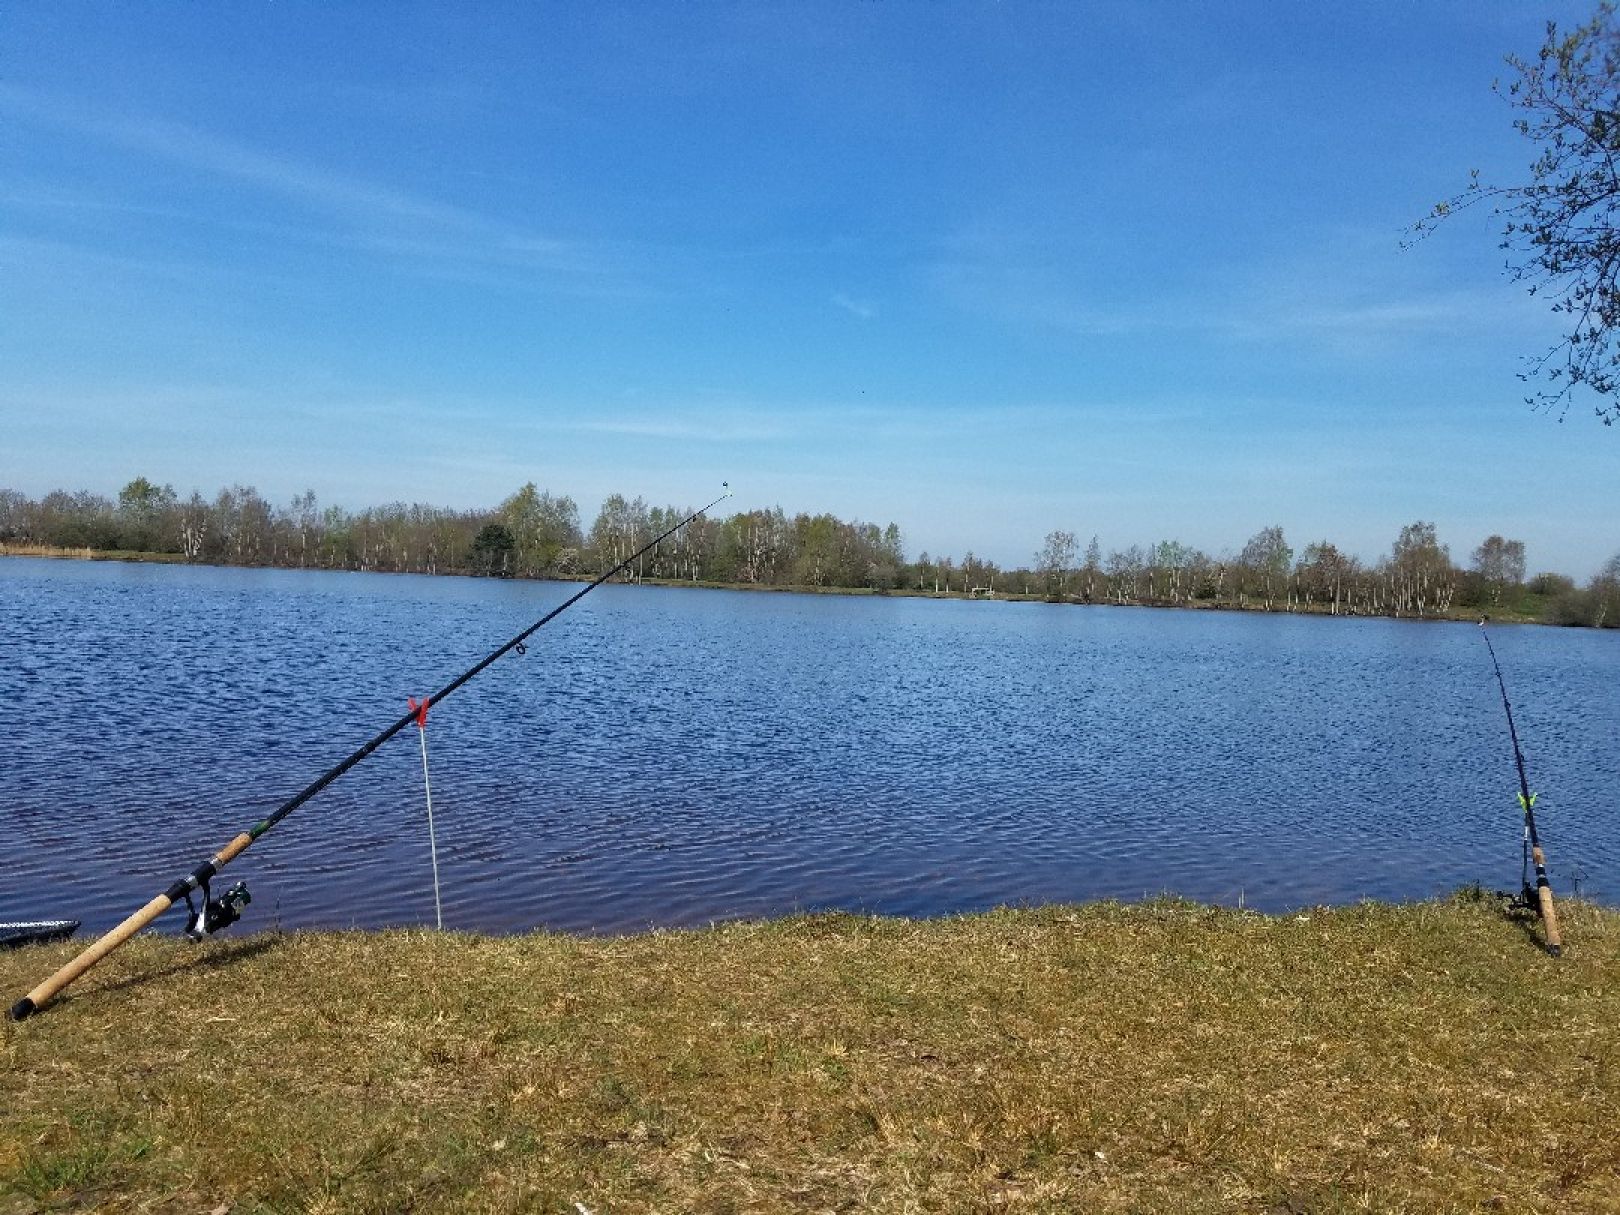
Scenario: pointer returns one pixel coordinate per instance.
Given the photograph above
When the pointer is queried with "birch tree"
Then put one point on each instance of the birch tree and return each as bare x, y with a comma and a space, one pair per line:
1055, 561
1500, 564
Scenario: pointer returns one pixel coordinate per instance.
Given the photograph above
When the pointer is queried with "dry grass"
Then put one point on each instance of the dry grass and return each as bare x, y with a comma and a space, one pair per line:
89, 554
45, 550
1162, 1057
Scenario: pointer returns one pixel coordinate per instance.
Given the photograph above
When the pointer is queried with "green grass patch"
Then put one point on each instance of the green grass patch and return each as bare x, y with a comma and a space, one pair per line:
1154, 1057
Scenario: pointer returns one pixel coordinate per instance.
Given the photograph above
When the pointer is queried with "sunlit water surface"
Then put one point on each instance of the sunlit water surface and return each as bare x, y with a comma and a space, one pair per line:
671, 757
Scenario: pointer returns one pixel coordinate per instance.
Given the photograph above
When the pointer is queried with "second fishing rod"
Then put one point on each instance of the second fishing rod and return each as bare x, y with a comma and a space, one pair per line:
1542, 898
217, 913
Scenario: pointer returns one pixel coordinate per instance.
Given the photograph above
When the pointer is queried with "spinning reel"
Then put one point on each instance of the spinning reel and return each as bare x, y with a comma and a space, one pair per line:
216, 913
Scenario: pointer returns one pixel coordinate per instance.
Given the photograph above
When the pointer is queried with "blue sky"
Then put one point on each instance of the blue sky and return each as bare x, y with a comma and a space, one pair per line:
984, 270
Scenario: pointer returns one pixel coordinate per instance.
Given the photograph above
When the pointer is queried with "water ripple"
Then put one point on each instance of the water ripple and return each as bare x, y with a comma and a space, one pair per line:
671, 757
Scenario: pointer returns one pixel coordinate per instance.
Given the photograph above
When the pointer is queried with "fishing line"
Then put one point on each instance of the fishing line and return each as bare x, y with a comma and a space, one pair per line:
220, 912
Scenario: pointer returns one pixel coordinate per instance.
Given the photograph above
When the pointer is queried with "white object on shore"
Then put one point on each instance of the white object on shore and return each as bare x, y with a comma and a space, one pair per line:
433, 844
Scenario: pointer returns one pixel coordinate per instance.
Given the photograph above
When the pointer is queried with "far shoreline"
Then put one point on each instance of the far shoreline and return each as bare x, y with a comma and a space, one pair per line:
1451, 615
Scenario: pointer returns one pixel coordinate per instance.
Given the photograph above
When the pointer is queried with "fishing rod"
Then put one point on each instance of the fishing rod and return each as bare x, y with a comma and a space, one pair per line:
1542, 899
225, 910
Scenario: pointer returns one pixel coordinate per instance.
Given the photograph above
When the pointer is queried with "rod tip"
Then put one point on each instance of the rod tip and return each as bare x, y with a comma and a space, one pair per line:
22, 1009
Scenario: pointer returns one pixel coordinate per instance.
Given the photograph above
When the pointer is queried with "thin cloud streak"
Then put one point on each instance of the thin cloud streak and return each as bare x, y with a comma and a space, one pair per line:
377, 217
1242, 315
1351, 287
858, 308
18, 252
696, 429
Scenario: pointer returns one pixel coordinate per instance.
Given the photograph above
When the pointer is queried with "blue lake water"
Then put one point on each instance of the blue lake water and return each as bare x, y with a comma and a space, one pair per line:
670, 757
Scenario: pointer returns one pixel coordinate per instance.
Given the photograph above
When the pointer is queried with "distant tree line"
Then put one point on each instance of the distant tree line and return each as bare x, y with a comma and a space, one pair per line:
1416, 578
532, 534
535, 534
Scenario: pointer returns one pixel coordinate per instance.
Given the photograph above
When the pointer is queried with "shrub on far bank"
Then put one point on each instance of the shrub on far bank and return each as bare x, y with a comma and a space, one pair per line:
1550, 585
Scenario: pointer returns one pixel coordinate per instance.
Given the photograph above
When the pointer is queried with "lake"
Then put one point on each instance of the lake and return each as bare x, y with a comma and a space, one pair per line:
666, 756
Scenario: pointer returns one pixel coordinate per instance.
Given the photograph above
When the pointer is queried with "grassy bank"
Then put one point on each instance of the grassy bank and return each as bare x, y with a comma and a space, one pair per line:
1155, 1057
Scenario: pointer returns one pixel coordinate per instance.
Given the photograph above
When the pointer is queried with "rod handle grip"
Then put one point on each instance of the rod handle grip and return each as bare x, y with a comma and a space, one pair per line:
52, 987
1549, 921
1544, 904
231, 850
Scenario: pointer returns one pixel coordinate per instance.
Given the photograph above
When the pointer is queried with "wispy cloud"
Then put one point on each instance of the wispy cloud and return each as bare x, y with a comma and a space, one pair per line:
1243, 311
860, 308
1342, 292
56, 258
366, 214
690, 427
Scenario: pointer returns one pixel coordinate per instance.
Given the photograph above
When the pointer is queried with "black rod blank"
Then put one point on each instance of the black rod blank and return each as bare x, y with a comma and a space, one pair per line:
1527, 800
